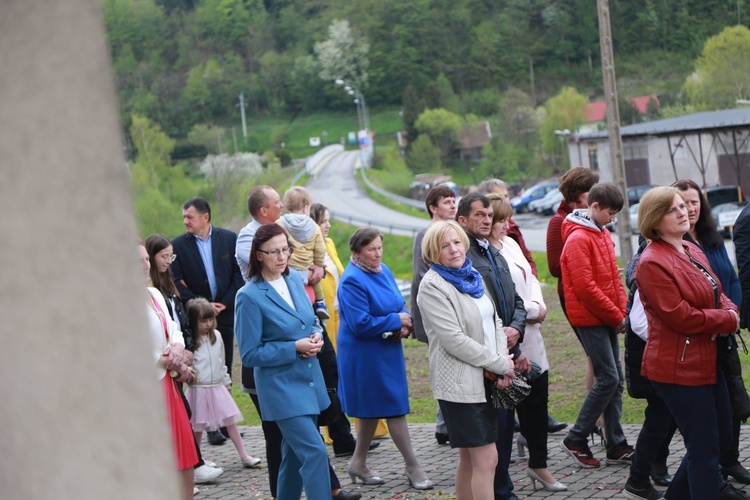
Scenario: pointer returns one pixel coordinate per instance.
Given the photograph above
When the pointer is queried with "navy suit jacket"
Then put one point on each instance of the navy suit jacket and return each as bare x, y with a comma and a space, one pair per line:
267, 329
190, 276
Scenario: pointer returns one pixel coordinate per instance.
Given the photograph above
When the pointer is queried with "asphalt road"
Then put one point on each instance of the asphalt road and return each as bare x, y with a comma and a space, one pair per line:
336, 187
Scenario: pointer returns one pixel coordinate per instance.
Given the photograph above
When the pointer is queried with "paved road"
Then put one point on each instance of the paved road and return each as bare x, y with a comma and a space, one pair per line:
336, 186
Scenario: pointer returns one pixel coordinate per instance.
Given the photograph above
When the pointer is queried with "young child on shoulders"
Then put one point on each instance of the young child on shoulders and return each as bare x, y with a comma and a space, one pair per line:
210, 395
306, 238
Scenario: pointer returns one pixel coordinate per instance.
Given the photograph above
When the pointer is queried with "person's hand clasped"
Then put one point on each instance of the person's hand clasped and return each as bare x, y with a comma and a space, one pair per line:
218, 307
523, 364
309, 346
513, 336
173, 358
316, 274
713, 337
542, 314
507, 379
188, 357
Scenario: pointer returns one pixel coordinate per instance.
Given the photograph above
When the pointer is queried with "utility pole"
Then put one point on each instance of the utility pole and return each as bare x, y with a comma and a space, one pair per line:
613, 128
242, 112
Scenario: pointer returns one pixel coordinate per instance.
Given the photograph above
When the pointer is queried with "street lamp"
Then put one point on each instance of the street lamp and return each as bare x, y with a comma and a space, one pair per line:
363, 119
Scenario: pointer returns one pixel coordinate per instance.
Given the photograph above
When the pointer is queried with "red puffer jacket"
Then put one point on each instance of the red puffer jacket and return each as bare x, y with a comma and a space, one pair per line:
594, 293
679, 303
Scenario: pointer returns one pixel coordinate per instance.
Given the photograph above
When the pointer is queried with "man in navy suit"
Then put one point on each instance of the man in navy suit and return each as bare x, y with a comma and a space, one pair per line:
205, 266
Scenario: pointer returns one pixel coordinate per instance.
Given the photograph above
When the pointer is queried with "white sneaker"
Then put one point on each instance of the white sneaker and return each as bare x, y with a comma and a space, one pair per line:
210, 464
205, 474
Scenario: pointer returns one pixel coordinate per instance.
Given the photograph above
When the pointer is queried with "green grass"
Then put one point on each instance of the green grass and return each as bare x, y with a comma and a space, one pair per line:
375, 177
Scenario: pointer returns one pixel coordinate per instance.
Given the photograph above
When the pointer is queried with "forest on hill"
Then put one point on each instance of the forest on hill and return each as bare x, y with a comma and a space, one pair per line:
433, 68
184, 62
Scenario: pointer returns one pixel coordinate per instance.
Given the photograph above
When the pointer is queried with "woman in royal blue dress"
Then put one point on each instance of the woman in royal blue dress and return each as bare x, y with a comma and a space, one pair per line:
372, 381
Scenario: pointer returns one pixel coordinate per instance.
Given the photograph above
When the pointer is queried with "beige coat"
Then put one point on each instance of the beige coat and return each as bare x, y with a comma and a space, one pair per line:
458, 355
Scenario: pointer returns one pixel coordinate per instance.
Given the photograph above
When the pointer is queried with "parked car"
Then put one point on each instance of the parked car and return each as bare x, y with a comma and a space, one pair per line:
635, 193
521, 203
633, 214
547, 205
634, 218
720, 195
726, 208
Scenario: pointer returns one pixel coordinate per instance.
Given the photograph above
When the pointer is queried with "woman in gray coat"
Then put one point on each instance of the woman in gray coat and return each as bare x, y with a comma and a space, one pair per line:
466, 339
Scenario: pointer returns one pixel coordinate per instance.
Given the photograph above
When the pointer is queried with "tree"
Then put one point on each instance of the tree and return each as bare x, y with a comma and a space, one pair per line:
343, 56
423, 156
566, 110
443, 127
502, 160
411, 107
227, 174
158, 187
722, 71
448, 98
208, 136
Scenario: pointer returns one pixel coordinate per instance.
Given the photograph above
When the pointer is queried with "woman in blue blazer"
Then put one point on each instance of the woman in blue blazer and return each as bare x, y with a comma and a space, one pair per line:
278, 335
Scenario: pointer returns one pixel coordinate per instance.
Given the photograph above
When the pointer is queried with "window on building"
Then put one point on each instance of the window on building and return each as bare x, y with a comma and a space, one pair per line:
635, 151
593, 158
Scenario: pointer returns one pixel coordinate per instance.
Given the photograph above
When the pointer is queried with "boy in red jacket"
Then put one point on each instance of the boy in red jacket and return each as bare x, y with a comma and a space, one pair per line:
595, 302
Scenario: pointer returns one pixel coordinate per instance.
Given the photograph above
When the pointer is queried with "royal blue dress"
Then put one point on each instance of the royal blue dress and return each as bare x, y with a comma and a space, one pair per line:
372, 371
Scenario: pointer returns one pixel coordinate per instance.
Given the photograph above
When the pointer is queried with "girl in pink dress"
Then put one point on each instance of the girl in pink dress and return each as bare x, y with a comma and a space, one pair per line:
210, 395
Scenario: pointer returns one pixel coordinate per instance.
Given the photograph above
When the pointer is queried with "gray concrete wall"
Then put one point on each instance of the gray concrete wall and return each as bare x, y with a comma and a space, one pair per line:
82, 415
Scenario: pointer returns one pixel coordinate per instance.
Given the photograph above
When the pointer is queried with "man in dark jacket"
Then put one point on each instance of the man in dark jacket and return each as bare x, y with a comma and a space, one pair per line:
205, 267
475, 216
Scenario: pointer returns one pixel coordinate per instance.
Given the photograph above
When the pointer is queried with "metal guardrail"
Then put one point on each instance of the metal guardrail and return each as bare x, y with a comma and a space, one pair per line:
386, 227
401, 199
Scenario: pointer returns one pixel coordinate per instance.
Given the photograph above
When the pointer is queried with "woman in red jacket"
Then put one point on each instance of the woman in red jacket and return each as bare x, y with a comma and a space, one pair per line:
686, 311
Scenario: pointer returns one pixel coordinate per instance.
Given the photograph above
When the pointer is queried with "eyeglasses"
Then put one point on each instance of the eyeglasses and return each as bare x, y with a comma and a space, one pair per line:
277, 253
169, 257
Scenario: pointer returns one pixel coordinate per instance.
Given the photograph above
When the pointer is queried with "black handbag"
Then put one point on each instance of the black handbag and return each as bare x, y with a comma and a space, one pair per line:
509, 397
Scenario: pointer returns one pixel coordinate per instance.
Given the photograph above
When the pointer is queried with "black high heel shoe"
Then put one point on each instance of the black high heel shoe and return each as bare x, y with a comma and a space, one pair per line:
598, 431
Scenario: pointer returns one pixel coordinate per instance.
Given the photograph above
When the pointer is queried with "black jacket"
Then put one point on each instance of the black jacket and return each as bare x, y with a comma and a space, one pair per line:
742, 254
508, 303
189, 273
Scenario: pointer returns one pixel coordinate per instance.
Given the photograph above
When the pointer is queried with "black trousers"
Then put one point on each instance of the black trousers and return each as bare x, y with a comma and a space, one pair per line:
273, 437
340, 432
532, 415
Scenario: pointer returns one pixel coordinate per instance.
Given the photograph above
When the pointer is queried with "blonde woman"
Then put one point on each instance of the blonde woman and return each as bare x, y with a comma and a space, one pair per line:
466, 338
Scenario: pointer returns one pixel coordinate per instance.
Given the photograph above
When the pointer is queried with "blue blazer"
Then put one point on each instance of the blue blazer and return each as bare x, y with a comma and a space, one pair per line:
267, 328
190, 276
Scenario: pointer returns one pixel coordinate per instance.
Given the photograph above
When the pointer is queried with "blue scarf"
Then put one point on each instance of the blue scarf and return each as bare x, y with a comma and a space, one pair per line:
466, 279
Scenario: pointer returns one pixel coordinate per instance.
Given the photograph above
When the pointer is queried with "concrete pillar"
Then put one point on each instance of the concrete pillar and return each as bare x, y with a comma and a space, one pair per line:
81, 412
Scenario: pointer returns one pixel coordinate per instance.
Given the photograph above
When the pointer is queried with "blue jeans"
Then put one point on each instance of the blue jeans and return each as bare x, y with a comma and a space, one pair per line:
503, 483
704, 417
657, 428
605, 396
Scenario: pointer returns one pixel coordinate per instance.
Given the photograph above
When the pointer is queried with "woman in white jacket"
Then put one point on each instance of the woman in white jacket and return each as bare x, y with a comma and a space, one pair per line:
532, 411
466, 339
168, 347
